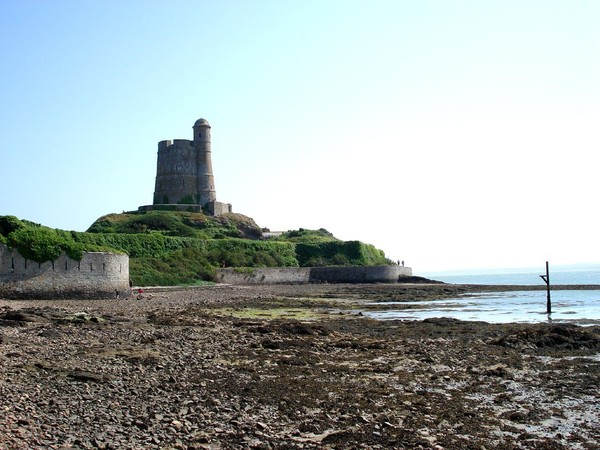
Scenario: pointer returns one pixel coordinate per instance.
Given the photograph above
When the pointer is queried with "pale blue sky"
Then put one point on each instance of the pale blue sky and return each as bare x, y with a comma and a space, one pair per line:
451, 134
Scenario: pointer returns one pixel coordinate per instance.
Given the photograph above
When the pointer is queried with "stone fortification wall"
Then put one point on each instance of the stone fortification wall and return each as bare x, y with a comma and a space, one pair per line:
97, 275
291, 275
218, 208
359, 274
264, 275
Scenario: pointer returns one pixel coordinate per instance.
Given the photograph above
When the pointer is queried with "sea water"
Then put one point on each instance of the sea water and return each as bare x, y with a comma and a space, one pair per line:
571, 306
521, 277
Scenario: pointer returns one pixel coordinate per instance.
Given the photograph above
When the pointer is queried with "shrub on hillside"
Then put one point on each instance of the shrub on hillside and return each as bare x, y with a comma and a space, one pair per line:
39, 243
231, 251
339, 253
307, 236
8, 224
42, 244
184, 266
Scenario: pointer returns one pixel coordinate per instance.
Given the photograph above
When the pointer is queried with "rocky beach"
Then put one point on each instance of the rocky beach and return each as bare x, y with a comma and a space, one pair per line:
290, 366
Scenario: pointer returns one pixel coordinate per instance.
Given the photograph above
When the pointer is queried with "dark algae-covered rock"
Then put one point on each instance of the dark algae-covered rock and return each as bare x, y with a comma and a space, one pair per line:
567, 337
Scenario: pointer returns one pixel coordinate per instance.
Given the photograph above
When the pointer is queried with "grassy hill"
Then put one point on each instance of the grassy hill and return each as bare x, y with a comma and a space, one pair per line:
182, 224
169, 247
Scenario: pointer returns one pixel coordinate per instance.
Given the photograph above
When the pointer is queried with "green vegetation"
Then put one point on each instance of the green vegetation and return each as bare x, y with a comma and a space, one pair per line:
184, 266
183, 224
339, 253
307, 236
188, 200
316, 248
158, 260
8, 224
175, 247
267, 313
189, 264
39, 243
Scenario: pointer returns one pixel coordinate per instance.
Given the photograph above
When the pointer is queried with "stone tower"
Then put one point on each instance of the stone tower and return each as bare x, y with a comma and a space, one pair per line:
205, 179
184, 175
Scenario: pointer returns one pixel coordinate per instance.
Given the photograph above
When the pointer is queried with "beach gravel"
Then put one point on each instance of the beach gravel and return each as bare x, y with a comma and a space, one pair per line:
224, 367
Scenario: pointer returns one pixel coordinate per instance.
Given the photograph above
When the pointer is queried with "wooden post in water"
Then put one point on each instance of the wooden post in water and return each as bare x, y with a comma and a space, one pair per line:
546, 278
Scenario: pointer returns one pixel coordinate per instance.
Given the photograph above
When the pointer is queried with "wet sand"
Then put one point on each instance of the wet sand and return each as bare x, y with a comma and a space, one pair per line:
289, 367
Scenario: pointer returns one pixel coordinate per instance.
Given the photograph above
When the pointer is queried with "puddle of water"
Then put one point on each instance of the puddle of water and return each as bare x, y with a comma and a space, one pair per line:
577, 306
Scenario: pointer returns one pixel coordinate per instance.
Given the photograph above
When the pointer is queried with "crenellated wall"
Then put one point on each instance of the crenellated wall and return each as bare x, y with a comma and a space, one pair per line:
300, 275
97, 275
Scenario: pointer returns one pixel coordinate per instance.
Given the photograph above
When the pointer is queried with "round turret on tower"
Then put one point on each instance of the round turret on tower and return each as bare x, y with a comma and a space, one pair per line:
205, 179
201, 130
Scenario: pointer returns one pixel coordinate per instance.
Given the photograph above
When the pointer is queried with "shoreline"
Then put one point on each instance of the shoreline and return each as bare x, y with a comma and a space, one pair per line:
289, 366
